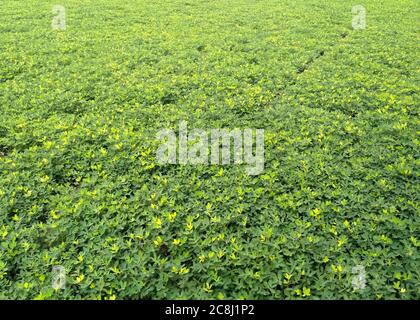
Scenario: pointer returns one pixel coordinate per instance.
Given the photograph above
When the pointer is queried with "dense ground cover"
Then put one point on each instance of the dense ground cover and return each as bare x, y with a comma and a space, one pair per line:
80, 186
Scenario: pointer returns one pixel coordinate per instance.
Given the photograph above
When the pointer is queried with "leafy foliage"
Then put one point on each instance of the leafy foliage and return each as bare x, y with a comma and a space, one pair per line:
80, 186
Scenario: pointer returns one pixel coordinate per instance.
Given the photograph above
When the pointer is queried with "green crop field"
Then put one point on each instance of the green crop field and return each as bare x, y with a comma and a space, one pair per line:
81, 187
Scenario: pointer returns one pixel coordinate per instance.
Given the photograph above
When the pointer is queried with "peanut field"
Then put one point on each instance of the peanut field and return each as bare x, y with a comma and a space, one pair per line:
81, 188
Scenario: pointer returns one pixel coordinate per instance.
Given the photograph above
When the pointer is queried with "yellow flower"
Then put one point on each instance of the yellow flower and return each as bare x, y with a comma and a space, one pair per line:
176, 242
158, 241
54, 215
80, 278
337, 269
183, 270
157, 223
172, 216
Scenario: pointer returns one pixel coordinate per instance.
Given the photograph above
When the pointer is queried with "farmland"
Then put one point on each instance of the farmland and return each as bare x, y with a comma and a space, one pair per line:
80, 186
